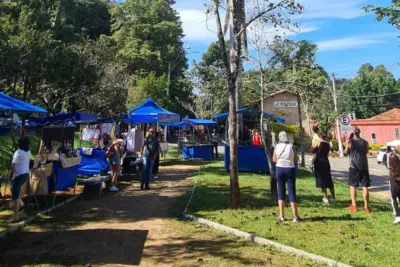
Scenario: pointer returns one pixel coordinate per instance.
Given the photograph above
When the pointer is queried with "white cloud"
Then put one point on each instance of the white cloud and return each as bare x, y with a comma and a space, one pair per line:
351, 42
334, 9
197, 26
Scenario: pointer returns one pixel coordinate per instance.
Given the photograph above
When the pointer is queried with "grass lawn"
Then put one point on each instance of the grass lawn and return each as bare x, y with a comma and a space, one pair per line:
353, 238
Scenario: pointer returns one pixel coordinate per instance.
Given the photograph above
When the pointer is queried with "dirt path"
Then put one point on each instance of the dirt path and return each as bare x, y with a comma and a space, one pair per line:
122, 229
133, 228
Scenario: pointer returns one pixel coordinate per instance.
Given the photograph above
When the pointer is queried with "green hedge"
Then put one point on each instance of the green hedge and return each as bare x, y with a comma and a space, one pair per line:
292, 129
373, 147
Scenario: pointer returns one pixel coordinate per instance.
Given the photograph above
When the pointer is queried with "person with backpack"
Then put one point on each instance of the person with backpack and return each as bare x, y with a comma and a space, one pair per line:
393, 159
149, 153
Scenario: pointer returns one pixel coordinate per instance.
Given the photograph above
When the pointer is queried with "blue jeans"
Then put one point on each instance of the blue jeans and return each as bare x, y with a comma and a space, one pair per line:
283, 176
146, 172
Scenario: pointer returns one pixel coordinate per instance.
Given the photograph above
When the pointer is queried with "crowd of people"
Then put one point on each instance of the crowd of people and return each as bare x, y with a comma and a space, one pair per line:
150, 154
357, 149
284, 157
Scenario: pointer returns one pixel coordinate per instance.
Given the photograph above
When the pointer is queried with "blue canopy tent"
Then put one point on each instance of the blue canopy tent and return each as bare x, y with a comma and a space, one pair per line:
250, 158
75, 118
150, 112
250, 111
190, 122
9, 103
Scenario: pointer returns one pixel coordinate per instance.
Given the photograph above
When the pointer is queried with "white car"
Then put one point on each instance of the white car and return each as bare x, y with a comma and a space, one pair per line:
381, 153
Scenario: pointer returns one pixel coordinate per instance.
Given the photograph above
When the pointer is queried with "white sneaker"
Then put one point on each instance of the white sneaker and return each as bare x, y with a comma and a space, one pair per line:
397, 220
113, 189
325, 200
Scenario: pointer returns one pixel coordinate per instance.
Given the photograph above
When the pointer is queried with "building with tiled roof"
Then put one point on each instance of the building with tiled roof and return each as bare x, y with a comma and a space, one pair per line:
381, 128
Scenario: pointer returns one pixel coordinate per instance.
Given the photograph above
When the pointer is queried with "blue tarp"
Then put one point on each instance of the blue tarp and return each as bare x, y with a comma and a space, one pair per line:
191, 122
93, 164
254, 112
75, 117
150, 112
250, 159
9, 103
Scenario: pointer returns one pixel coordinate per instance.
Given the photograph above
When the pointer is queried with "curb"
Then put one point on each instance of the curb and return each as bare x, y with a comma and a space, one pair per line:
24, 223
263, 241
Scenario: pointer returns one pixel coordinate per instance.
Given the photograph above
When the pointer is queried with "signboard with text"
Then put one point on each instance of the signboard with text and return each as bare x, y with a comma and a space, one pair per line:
285, 104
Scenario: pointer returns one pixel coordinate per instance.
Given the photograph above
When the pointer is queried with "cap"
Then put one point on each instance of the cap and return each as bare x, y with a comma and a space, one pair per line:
357, 130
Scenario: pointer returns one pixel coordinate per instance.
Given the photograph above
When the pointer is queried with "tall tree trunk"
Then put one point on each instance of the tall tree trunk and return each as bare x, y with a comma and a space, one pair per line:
232, 70
266, 136
239, 100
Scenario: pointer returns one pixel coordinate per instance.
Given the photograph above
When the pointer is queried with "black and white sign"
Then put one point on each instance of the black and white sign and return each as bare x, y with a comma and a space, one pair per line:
345, 123
285, 104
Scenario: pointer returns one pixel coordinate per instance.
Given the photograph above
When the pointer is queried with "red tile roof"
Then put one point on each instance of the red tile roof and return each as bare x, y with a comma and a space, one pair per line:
390, 115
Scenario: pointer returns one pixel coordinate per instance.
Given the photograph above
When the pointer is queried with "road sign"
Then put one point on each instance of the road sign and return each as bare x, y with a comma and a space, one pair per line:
345, 123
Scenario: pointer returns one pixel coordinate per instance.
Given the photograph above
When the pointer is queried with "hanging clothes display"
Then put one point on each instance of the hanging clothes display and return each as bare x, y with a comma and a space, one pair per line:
90, 134
106, 128
134, 140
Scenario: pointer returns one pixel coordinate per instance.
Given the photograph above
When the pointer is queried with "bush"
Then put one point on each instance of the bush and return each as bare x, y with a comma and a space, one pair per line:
374, 147
335, 145
290, 129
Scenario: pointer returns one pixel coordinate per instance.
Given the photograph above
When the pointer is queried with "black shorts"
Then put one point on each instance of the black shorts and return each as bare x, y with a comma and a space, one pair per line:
357, 178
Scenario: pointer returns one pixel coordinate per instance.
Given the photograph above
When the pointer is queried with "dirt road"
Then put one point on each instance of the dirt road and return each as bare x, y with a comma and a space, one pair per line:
134, 228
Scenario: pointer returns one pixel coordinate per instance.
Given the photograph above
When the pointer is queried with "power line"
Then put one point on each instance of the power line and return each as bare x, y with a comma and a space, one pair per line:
372, 96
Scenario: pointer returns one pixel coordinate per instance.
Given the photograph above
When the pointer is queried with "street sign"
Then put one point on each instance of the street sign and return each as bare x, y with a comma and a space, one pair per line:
345, 123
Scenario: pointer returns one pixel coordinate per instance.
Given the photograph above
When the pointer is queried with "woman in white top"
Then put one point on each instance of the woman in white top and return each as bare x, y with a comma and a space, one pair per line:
19, 174
285, 158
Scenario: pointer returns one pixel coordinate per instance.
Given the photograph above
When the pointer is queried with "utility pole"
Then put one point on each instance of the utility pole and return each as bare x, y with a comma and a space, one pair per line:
338, 130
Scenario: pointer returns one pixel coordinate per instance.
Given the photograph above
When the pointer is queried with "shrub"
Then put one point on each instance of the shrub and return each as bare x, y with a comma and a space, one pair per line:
374, 147
291, 129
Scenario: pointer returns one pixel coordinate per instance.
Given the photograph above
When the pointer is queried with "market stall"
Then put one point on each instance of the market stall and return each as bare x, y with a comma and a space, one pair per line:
196, 148
149, 112
57, 147
250, 158
10, 106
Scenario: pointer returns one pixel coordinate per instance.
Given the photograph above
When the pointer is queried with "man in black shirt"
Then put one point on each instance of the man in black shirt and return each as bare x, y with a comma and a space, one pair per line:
357, 150
149, 154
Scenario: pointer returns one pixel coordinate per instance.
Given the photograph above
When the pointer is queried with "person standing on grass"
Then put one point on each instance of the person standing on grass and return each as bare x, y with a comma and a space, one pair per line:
285, 158
393, 164
358, 149
214, 141
19, 174
149, 153
322, 168
114, 154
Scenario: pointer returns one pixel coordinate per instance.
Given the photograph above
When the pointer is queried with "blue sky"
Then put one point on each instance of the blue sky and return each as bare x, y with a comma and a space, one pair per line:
347, 37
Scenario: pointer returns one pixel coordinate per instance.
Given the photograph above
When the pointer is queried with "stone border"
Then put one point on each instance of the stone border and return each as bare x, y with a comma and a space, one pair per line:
264, 242
24, 223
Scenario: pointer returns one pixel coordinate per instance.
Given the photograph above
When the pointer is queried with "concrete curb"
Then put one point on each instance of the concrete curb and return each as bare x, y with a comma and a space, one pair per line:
264, 242
24, 223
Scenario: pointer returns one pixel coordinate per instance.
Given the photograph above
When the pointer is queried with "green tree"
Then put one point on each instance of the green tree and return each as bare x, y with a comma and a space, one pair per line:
391, 13
371, 91
148, 35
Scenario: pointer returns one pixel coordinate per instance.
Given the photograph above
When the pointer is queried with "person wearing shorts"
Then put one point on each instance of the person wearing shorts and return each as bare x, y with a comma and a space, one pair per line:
114, 159
358, 149
19, 174
393, 160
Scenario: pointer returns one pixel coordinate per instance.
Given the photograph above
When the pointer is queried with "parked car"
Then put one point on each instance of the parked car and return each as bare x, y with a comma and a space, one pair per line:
381, 153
